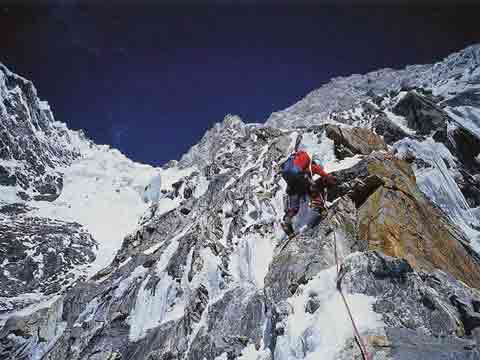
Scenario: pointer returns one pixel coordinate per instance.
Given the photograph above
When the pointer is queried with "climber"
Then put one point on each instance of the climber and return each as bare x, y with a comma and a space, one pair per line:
298, 171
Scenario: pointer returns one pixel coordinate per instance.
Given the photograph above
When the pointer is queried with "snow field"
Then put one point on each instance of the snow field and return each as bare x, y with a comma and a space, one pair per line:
324, 333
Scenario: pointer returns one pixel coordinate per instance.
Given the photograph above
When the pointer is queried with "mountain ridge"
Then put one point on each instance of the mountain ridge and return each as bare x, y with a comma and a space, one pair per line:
192, 269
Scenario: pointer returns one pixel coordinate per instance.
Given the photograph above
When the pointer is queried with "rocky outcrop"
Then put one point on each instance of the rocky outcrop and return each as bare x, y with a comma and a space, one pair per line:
390, 132
396, 218
351, 141
38, 255
421, 113
422, 314
312, 252
233, 322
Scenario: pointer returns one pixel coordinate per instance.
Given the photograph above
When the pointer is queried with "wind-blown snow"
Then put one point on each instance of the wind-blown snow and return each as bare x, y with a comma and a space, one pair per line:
322, 334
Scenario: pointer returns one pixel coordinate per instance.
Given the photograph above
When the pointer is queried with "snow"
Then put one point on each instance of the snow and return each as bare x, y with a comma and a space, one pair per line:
250, 353
323, 334
108, 193
44, 106
322, 148
8, 194
467, 117
346, 163
124, 284
250, 261
400, 121
102, 191
154, 306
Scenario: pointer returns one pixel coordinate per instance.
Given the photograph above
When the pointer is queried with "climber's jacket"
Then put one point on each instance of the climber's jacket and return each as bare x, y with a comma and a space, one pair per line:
300, 163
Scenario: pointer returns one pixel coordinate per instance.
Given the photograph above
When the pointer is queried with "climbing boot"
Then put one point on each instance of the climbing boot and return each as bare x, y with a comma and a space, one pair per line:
317, 205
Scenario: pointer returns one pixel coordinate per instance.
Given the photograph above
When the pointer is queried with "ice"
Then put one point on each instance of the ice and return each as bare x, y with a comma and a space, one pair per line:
201, 186
42, 303
124, 284
400, 121
437, 183
210, 275
152, 190
324, 333
44, 105
153, 306
251, 259
467, 117
156, 298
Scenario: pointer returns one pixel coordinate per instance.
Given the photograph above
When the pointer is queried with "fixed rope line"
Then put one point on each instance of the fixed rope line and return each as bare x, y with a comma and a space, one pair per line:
358, 338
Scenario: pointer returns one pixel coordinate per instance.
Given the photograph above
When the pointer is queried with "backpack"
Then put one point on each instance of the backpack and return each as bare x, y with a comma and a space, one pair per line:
288, 169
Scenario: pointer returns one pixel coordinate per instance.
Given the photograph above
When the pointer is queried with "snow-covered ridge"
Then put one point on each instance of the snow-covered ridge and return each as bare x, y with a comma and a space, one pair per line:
458, 73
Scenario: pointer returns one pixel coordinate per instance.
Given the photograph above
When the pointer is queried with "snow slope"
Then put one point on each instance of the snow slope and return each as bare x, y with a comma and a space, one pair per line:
103, 192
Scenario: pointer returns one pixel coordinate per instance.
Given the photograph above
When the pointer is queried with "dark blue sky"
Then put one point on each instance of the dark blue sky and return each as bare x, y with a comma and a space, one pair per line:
150, 80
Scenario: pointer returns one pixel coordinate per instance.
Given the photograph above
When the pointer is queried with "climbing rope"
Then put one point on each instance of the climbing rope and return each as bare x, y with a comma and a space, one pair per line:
358, 338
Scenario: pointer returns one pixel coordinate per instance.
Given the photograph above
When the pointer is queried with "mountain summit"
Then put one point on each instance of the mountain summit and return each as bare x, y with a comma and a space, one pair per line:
103, 258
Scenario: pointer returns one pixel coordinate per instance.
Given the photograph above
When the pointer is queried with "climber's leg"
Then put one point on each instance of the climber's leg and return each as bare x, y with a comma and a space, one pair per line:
291, 209
317, 201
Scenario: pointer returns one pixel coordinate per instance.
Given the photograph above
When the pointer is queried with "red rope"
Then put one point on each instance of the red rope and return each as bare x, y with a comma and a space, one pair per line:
358, 338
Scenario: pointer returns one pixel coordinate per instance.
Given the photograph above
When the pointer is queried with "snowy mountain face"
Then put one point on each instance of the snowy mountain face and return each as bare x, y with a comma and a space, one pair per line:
65, 203
124, 261
455, 80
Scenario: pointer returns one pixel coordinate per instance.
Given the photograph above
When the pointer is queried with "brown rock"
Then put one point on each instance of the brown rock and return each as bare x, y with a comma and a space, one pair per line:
351, 141
378, 341
400, 221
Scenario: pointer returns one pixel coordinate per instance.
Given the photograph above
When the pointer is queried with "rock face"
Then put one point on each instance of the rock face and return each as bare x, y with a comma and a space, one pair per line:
32, 145
39, 254
455, 79
351, 141
397, 219
423, 317
421, 114
55, 188
202, 276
